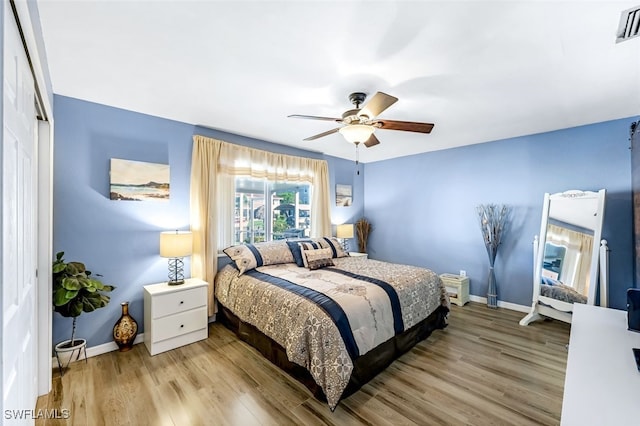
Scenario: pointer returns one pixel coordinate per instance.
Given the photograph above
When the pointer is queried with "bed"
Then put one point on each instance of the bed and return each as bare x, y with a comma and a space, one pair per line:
330, 320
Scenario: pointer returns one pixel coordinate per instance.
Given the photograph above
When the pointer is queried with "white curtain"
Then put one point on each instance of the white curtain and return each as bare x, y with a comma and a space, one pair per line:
214, 165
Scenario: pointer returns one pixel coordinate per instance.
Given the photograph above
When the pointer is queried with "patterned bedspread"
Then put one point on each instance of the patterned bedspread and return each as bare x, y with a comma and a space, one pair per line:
326, 318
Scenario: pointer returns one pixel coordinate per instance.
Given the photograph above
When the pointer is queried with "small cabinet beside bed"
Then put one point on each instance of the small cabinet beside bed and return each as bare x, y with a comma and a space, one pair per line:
331, 320
175, 315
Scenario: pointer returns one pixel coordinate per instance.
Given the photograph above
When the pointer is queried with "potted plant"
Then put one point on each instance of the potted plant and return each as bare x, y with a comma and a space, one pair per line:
75, 291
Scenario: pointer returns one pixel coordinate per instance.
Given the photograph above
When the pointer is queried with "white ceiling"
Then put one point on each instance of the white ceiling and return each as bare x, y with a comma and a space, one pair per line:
479, 70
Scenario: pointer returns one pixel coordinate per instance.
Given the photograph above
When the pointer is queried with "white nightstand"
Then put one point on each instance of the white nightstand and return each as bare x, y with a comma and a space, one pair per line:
174, 315
457, 287
357, 254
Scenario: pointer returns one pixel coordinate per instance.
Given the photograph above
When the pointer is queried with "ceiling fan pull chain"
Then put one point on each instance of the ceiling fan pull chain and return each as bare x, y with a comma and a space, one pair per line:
357, 158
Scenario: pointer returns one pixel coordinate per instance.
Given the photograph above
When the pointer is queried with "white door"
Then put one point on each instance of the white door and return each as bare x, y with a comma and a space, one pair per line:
19, 232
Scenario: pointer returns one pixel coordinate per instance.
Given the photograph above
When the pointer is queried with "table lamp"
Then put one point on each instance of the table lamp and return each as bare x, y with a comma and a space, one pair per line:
343, 232
176, 245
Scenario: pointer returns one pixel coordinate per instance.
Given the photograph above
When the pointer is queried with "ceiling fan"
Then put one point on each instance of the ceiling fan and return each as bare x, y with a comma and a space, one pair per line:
360, 123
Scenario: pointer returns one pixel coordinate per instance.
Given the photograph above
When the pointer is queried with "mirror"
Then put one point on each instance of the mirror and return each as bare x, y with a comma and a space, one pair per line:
568, 263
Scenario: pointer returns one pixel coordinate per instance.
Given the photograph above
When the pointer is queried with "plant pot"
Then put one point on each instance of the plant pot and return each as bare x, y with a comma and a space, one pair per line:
67, 353
65, 346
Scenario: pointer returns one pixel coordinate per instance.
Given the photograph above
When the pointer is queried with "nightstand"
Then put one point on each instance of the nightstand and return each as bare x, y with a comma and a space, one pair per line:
457, 288
357, 254
175, 315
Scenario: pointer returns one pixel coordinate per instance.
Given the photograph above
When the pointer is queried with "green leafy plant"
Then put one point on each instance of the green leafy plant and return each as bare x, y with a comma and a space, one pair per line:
75, 291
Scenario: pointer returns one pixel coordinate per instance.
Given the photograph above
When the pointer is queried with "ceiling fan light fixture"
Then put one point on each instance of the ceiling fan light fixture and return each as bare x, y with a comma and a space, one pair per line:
356, 133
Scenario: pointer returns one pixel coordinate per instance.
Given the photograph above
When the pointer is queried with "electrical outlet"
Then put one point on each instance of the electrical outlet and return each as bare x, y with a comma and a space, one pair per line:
463, 273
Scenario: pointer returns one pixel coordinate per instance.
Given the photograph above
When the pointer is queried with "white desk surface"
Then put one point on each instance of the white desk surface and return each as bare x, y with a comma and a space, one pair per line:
602, 383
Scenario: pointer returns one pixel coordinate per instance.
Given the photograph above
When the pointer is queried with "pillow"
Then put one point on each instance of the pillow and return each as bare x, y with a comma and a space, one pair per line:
320, 263
304, 247
333, 244
294, 246
314, 254
250, 256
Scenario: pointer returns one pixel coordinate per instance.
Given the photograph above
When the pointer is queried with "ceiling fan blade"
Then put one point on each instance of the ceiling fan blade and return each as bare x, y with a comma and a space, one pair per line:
314, 117
377, 104
323, 134
407, 126
372, 141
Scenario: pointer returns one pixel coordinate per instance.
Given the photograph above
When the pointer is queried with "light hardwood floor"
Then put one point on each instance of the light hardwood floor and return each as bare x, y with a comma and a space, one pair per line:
483, 368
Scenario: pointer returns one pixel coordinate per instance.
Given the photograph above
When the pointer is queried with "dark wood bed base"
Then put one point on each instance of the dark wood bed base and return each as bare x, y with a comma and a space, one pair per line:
365, 367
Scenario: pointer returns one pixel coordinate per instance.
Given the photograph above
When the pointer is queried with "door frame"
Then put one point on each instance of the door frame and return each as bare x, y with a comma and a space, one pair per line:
634, 145
45, 242
29, 22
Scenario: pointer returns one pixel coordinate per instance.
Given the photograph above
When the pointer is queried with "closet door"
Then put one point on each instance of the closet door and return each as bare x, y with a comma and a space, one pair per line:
19, 229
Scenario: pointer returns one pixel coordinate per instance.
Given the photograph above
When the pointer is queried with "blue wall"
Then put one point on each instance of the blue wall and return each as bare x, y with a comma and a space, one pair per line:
422, 207
119, 239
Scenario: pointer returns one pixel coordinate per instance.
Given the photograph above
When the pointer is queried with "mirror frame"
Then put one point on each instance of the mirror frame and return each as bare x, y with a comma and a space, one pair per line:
558, 309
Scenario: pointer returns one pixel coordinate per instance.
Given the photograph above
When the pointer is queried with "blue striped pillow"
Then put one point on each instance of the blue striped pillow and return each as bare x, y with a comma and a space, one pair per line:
250, 256
333, 244
304, 248
294, 246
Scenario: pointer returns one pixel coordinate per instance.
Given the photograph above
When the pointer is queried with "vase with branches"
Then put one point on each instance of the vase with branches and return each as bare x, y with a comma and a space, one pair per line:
493, 220
363, 229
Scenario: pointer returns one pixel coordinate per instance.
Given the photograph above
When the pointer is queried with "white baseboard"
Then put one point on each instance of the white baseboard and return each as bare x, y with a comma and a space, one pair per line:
501, 304
101, 349
110, 347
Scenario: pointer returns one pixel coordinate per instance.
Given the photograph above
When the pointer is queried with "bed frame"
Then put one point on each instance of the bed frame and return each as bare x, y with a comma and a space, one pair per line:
365, 367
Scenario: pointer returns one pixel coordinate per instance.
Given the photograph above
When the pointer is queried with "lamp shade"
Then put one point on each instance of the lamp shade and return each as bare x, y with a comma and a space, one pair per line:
356, 132
176, 243
344, 230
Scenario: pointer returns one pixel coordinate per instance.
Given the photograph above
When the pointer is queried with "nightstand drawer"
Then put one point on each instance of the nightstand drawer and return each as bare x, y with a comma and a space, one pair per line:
171, 303
181, 323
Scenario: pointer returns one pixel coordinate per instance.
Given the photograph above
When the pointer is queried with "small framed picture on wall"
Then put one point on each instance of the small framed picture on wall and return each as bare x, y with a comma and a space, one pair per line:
343, 195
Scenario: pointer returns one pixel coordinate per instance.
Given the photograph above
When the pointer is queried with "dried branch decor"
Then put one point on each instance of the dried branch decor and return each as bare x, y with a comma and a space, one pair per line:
493, 220
363, 228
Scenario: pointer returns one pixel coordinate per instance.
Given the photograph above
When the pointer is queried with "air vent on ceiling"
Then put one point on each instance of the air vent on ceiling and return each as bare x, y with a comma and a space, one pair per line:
629, 24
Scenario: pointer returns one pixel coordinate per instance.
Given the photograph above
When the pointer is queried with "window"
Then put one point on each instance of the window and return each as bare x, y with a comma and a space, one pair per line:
267, 210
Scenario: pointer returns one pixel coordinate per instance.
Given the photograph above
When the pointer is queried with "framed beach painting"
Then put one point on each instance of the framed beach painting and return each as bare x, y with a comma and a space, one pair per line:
138, 181
343, 195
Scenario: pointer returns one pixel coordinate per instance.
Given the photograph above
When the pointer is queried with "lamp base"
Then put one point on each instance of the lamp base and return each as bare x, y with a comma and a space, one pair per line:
176, 268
